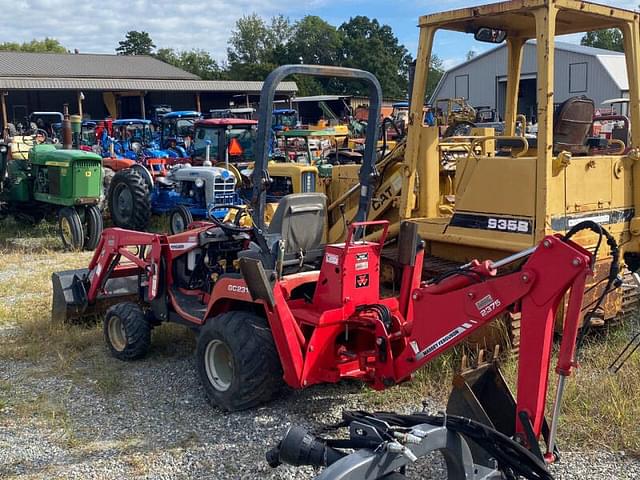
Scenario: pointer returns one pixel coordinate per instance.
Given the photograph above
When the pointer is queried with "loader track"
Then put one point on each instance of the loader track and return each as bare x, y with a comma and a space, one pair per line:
630, 299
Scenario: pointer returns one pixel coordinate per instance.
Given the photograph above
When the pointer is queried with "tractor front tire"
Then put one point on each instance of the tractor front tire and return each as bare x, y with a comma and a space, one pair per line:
179, 219
129, 200
95, 225
237, 361
127, 331
70, 229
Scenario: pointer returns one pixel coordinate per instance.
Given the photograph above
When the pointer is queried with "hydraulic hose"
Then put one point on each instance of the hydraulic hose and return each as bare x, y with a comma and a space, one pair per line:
613, 280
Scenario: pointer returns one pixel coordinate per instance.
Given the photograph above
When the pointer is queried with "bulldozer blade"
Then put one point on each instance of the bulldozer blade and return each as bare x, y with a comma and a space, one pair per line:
70, 302
482, 394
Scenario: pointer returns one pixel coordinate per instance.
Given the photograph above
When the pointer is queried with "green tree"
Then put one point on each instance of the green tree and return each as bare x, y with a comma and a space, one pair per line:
136, 43
279, 36
48, 45
609, 39
249, 49
198, 62
248, 41
368, 45
436, 71
315, 41
168, 55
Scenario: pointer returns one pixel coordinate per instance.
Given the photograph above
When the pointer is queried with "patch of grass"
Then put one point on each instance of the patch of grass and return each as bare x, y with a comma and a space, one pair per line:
602, 408
170, 340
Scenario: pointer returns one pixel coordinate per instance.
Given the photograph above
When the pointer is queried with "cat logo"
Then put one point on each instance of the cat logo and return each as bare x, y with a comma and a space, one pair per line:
362, 281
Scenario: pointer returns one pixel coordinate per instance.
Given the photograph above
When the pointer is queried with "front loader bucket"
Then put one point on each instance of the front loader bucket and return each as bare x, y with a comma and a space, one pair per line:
482, 394
70, 302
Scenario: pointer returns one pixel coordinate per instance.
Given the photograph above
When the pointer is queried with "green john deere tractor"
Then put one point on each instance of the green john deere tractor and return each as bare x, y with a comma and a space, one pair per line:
52, 180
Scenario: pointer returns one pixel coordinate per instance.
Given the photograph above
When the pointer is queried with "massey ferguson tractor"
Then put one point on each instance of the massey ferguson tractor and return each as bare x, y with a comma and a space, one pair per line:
274, 305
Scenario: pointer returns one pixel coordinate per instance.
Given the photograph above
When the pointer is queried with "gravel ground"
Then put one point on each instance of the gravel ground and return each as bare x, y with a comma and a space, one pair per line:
158, 426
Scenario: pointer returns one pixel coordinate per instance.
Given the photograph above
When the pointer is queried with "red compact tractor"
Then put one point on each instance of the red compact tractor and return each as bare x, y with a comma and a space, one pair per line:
273, 305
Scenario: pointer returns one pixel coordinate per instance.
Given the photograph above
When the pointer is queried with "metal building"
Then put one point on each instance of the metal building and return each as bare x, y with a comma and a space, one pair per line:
579, 70
97, 86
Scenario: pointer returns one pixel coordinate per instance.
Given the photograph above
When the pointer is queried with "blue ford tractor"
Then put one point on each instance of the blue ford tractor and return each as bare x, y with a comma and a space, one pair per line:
185, 193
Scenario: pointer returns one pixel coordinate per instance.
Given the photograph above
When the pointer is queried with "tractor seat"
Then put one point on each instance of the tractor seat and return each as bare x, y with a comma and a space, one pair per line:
571, 126
300, 222
165, 182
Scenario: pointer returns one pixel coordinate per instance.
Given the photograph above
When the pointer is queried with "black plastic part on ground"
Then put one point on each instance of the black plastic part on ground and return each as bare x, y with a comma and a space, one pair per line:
514, 460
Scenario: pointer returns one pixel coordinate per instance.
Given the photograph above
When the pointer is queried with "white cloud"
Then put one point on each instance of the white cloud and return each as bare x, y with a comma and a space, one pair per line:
98, 26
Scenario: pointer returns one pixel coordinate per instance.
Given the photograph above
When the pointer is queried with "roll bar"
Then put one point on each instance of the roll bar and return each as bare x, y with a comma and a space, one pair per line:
265, 111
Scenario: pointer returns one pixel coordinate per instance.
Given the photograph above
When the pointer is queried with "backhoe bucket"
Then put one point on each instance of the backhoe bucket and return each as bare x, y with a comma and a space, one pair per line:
482, 394
70, 302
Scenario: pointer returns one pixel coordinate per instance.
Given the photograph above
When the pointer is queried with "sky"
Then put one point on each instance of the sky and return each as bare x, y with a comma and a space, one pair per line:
205, 24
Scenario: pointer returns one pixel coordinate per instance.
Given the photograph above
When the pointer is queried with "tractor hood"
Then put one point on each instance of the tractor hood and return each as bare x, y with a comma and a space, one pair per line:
208, 174
49, 154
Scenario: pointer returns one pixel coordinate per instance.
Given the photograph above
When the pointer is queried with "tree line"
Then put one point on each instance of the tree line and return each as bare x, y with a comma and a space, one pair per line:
257, 45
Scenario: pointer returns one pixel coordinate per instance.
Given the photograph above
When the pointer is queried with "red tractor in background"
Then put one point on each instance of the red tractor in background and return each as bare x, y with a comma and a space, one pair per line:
273, 305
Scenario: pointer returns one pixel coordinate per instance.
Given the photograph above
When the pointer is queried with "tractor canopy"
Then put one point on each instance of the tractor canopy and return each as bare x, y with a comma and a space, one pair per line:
234, 137
285, 119
177, 127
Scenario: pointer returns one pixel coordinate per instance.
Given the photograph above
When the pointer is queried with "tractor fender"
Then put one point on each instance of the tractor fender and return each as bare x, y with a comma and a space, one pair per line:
117, 163
229, 292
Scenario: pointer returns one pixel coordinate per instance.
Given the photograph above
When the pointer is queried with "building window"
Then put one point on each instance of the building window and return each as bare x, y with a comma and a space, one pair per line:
462, 86
578, 77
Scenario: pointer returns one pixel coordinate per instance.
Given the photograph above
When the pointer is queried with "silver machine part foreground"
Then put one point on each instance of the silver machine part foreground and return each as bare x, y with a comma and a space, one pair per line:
385, 462
562, 380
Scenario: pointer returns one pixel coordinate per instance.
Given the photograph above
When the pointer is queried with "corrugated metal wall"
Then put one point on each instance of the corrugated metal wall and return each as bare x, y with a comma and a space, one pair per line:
480, 80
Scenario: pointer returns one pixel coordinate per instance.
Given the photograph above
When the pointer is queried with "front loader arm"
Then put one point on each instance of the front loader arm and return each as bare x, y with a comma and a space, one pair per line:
443, 314
115, 243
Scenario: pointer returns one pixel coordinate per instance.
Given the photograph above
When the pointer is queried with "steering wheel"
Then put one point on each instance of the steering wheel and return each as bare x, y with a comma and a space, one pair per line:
234, 226
39, 132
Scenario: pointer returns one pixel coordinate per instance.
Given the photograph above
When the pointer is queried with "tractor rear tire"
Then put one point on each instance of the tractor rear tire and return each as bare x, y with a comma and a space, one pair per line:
462, 128
70, 229
127, 331
179, 219
95, 225
237, 361
129, 200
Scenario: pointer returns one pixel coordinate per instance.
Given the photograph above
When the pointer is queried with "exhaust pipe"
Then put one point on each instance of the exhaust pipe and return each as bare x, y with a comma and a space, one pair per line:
67, 138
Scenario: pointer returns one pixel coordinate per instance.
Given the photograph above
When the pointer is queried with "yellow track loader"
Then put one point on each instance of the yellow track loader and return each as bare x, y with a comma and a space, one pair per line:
502, 194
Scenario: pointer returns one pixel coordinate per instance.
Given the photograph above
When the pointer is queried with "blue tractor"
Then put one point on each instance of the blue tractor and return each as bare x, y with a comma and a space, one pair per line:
132, 138
285, 119
176, 132
185, 193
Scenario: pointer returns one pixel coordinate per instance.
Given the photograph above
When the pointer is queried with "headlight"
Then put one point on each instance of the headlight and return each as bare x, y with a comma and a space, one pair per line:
199, 182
